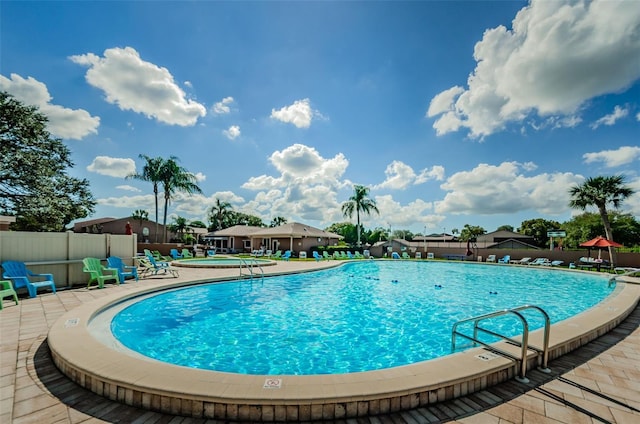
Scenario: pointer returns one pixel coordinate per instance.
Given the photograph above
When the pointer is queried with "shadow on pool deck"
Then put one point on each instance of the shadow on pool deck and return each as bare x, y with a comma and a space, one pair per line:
573, 392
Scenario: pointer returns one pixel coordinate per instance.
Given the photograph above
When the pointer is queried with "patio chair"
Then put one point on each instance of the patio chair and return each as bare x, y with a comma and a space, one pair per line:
358, 255
316, 256
491, 258
186, 254
540, 261
418, 255
124, 271
175, 254
505, 259
6, 290
18, 273
350, 255
99, 273
430, 255
523, 261
405, 255
287, 255
159, 256
326, 255
149, 266
211, 252
278, 254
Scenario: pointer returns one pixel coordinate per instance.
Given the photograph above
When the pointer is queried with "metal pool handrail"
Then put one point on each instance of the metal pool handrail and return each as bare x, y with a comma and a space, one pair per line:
523, 344
254, 263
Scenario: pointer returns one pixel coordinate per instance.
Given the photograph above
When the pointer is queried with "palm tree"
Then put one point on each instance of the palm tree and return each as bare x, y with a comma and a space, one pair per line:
598, 192
151, 172
174, 178
359, 202
179, 226
140, 215
218, 212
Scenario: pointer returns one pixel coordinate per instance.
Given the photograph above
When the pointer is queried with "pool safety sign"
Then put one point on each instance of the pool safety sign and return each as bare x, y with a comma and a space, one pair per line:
272, 383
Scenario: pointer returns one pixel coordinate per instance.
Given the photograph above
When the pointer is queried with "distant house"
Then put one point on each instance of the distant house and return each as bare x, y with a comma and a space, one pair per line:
145, 229
505, 240
292, 236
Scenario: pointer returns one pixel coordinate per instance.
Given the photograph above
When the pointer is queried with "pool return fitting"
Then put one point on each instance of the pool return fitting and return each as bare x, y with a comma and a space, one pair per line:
543, 353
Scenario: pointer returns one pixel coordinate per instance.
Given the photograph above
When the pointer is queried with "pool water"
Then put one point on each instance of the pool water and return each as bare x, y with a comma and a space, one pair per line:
361, 316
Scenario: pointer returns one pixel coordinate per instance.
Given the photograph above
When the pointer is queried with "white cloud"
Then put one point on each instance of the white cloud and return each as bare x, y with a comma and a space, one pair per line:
298, 114
63, 122
444, 101
557, 56
232, 132
140, 86
489, 189
613, 158
126, 187
394, 214
400, 176
638, 117
222, 107
611, 118
200, 176
113, 167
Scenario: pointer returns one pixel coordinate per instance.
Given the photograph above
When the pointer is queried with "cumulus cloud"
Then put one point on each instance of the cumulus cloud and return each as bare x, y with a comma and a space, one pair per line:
232, 132
556, 56
298, 114
400, 176
306, 183
222, 107
140, 86
127, 187
63, 122
613, 158
394, 214
610, 119
489, 189
112, 167
200, 176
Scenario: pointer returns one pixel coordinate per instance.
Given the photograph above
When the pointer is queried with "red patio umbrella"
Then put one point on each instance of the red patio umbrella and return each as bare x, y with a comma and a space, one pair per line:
600, 243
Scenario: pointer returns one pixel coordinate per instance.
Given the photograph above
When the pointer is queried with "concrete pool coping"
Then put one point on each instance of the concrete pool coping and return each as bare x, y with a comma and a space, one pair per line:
198, 393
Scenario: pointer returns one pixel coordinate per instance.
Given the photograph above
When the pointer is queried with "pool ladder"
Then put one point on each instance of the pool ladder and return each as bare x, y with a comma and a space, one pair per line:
250, 265
543, 353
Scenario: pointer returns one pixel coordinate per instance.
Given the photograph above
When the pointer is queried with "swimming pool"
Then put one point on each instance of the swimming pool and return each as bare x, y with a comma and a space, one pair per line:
362, 316
122, 375
223, 262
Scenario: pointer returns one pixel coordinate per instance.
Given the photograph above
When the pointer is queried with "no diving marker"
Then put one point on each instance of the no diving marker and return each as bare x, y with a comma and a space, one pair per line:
272, 383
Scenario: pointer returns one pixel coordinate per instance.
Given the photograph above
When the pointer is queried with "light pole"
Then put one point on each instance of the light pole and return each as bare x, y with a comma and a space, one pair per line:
424, 239
444, 234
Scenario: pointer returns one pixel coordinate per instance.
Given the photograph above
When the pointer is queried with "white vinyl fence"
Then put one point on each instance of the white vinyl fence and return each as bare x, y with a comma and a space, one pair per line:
61, 254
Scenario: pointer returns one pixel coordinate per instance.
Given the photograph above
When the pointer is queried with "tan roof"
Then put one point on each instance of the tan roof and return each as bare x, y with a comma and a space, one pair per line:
294, 229
235, 231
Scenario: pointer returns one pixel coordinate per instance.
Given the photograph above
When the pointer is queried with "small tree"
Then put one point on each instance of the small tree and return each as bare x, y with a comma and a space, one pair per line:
140, 215
599, 192
34, 185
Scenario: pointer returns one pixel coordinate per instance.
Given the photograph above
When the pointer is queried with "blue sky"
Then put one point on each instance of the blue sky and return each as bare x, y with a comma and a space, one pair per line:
452, 112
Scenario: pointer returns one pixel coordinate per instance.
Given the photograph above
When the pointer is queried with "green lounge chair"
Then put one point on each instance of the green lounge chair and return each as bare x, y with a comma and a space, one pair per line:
6, 290
186, 254
99, 273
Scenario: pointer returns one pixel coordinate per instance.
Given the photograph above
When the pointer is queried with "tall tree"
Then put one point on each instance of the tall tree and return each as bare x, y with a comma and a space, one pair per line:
359, 202
174, 178
218, 213
538, 228
151, 172
34, 185
179, 226
278, 221
470, 232
599, 192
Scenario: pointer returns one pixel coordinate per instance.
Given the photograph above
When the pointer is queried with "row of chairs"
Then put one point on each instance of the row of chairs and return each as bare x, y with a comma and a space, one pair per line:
17, 275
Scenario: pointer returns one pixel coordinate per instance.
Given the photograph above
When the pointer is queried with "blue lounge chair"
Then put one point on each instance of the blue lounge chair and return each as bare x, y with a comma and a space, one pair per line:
286, 255
174, 254
211, 252
124, 271
21, 277
504, 260
6, 290
151, 266
316, 256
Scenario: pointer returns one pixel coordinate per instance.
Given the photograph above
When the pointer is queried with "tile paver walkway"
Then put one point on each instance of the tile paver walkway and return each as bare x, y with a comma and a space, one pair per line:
598, 383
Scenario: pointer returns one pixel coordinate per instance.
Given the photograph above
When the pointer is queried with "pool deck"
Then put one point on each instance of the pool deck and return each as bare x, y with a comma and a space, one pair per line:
599, 382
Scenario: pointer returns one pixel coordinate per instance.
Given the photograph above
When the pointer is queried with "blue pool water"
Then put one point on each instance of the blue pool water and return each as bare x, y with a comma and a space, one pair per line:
362, 316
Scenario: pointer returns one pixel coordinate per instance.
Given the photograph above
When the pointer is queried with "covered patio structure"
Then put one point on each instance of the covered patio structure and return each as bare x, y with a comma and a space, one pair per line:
292, 236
